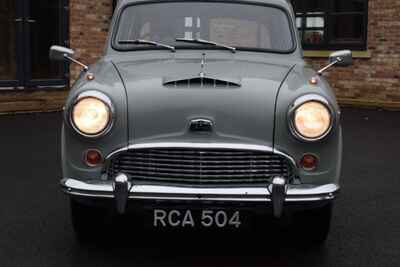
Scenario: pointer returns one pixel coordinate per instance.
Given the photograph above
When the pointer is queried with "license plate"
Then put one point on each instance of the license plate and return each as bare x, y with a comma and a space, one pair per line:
192, 219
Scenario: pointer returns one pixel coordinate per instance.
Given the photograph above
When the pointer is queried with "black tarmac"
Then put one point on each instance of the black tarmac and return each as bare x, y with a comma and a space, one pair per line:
34, 215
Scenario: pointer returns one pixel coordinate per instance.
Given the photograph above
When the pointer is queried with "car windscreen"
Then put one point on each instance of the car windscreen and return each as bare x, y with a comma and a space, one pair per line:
244, 26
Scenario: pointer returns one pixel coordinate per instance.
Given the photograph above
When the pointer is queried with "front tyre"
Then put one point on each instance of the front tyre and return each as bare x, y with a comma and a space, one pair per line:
87, 221
312, 226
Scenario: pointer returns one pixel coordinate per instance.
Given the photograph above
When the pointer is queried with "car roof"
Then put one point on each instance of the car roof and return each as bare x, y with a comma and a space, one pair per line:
281, 3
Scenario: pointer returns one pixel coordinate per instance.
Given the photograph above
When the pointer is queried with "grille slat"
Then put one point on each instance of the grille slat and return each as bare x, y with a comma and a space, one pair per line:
215, 176
200, 166
202, 156
255, 165
207, 160
204, 152
195, 171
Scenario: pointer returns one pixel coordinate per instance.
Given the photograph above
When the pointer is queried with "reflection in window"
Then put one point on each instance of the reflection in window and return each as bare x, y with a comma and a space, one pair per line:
313, 37
239, 25
192, 27
315, 22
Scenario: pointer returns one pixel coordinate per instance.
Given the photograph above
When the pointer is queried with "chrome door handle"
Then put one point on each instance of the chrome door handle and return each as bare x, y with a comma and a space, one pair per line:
31, 20
18, 20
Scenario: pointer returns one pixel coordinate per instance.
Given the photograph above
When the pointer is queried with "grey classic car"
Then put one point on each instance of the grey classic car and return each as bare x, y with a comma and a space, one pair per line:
197, 111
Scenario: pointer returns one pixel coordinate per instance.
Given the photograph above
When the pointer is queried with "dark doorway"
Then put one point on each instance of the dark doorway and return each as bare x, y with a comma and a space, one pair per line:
29, 28
8, 51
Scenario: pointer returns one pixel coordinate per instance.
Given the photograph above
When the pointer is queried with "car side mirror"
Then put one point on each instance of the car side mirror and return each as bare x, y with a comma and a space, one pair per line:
342, 58
60, 53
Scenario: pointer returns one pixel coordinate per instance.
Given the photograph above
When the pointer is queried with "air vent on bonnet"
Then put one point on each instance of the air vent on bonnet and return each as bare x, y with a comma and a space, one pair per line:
202, 82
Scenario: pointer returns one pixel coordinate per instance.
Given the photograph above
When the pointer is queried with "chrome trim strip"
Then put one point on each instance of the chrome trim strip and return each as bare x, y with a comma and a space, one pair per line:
192, 145
295, 193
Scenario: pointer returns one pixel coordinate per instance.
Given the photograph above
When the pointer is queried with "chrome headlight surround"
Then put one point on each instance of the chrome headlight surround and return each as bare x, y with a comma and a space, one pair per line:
306, 99
99, 96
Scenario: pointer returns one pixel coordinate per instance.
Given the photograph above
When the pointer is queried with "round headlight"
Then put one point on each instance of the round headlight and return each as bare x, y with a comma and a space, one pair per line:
91, 115
312, 120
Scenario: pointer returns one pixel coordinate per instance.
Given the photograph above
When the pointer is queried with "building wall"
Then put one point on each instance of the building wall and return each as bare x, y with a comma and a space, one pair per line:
374, 80
89, 22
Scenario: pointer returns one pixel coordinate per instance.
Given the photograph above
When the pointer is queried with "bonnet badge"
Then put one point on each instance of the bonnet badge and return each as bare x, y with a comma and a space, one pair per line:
201, 125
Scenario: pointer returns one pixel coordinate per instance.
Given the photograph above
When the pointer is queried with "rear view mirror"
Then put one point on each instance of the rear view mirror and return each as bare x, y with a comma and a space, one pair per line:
342, 58
60, 53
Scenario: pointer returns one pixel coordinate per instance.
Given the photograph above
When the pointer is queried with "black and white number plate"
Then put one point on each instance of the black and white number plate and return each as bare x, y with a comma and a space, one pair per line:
192, 219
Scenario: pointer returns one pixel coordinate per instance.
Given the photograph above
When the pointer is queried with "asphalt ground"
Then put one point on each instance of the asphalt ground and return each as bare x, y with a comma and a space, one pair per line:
34, 215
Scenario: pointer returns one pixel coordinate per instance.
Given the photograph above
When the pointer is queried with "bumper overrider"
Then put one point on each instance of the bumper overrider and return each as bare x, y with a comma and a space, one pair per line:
277, 193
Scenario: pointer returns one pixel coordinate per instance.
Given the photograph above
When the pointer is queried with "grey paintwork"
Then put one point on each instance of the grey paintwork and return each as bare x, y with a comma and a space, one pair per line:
241, 114
254, 113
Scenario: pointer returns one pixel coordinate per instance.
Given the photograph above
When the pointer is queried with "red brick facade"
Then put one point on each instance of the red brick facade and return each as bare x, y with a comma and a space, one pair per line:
372, 81
89, 22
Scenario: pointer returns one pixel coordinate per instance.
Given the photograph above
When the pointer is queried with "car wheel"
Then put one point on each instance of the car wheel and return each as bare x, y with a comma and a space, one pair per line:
87, 221
312, 226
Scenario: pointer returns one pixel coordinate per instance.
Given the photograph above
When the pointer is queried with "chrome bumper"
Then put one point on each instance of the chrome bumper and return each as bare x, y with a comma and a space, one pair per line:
106, 189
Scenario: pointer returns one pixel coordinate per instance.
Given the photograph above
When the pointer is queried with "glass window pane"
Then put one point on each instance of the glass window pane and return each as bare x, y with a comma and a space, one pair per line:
310, 5
299, 22
235, 24
45, 29
315, 22
347, 28
8, 67
313, 37
349, 5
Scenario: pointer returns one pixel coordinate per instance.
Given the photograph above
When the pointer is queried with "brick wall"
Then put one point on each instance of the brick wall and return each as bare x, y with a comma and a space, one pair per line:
374, 81
89, 22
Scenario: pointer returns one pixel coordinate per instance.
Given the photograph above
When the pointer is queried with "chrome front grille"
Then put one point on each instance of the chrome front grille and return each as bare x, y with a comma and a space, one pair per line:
199, 166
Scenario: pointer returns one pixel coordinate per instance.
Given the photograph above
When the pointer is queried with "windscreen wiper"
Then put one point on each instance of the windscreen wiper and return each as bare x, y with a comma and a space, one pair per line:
202, 41
148, 42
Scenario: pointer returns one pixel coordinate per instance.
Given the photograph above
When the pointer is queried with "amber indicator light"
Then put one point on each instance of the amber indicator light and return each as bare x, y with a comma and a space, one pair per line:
314, 81
90, 76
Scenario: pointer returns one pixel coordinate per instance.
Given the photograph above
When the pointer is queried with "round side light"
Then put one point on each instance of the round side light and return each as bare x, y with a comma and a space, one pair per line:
93, 157
309, 162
